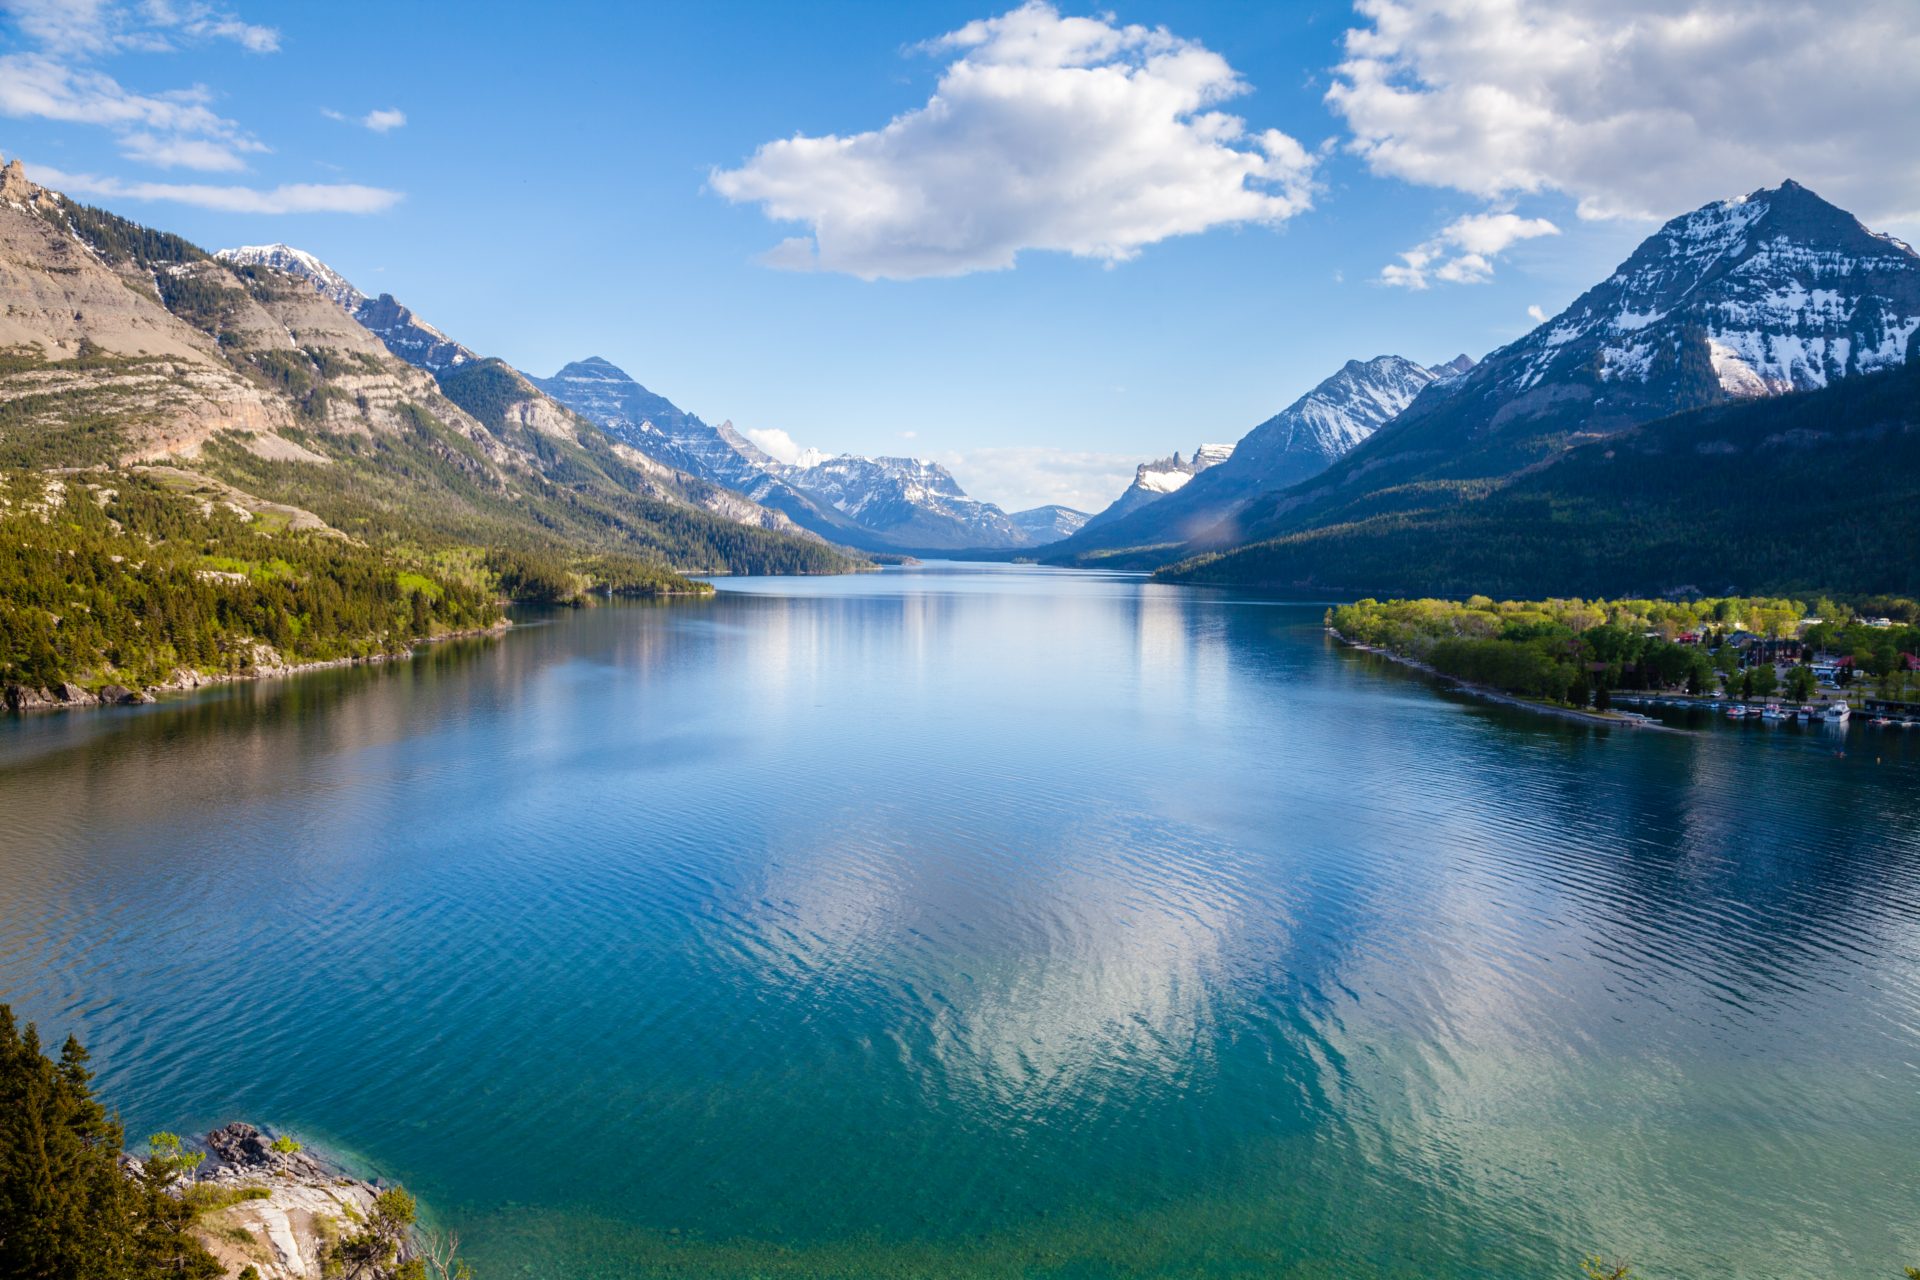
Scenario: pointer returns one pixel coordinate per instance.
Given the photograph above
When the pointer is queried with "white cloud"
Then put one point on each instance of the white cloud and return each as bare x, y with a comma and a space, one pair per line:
172, 129
776, 444
187, 153
380, 121
1072, 135
302, 197
33, 84
1464, 250
1537, 314
1639, 108
85, 27
1020, 477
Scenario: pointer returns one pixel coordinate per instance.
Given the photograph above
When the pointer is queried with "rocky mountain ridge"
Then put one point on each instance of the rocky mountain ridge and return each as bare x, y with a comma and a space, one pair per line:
1767, 293
1300, 441
126, 345
1154, 480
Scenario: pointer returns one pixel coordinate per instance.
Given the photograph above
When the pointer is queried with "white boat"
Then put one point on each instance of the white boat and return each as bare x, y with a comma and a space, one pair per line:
1736, 712
1772, 711
1838, 712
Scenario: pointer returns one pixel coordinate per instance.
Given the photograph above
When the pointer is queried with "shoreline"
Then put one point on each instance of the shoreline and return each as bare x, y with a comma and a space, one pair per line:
23, 700
1576, 714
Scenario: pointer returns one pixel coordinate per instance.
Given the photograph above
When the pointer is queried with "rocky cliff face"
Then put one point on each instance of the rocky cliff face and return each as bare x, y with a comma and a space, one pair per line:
409, 337
404, 334
327, 282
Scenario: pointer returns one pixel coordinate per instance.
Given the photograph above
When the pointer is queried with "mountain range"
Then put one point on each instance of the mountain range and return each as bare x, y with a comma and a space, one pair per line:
875, 504
1730, 409
1299, 442
131, 347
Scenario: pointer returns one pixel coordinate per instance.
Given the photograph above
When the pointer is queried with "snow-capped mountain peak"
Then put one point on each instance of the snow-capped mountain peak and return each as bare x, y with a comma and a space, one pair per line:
297, 262
1773, 291
1331, 419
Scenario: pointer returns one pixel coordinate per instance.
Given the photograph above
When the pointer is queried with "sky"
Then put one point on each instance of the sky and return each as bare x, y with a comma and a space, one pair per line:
1037, 244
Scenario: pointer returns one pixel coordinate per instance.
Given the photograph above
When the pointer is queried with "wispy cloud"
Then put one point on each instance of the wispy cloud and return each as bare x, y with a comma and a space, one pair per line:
1046, 132
1464, 250
303, 197
380, 121
92, 27
1020, 477
58, 79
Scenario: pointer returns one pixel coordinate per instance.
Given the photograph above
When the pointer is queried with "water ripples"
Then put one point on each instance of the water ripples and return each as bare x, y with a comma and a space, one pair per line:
839, 926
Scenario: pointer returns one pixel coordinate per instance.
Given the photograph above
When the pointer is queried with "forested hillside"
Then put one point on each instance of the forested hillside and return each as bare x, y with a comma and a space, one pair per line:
1809, 491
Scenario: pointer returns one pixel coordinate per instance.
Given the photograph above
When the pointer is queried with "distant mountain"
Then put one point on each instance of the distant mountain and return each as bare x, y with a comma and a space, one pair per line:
1808, 491
907, 503
1300, 441
875, 504
604, 393
1774, 291
1049, 523
1154, 480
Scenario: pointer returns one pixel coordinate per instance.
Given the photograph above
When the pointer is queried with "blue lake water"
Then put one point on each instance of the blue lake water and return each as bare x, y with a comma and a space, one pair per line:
976, 921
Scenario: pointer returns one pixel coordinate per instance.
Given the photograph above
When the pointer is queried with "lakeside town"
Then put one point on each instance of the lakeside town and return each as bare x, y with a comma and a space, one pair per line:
1771, 660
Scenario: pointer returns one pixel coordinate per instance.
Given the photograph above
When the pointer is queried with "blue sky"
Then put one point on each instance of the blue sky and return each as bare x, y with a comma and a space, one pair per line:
598, 180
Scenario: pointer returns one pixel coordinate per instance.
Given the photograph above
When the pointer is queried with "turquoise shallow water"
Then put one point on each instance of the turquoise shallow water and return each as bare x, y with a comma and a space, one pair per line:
998, 922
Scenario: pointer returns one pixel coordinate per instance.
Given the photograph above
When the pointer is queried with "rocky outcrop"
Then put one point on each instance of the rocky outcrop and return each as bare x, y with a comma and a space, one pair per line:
57, 697
286, 1205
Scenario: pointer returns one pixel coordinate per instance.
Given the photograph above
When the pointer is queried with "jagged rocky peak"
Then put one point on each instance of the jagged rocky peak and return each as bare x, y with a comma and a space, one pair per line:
1164, 475
1453, 368
1336, 415
14, 184
297, 262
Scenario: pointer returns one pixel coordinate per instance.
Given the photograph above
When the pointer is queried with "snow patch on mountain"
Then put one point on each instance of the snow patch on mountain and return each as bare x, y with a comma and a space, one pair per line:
296, 262
1785, 291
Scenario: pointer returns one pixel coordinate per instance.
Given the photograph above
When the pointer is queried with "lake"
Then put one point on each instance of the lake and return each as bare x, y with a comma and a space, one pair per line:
996, 921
